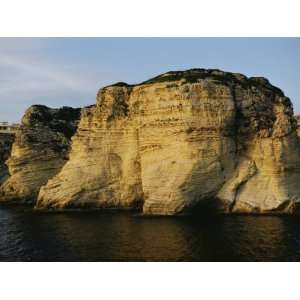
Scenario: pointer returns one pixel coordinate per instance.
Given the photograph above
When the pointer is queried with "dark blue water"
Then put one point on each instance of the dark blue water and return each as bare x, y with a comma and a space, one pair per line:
27, 235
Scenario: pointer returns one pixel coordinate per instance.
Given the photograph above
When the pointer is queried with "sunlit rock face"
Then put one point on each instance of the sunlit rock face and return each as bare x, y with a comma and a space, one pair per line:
104, 168
40, 150
267, 170
180, 141
6, 141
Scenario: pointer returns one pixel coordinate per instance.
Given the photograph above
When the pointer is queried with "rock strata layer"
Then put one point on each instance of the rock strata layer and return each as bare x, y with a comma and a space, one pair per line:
40, 150
179, 141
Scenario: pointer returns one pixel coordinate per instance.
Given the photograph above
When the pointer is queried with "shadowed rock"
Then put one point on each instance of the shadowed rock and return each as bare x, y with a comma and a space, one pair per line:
40, 150
6, 141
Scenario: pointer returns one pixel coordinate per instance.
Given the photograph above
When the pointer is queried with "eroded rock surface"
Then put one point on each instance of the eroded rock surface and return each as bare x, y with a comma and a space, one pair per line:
297, 117
40, 150
180, 140
6, 141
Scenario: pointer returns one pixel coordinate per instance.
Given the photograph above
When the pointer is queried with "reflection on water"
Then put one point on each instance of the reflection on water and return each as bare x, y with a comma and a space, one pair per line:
26, 235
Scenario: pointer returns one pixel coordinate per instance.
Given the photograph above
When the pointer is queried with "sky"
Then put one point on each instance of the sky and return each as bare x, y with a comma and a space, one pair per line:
69, 71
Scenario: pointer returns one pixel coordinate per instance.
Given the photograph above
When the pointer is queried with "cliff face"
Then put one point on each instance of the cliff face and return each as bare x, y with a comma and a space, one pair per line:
6, 141
180, 140
297, 117
40, 150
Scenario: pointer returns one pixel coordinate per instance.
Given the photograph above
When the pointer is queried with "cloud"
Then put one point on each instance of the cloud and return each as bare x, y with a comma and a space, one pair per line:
41, 72
29, 76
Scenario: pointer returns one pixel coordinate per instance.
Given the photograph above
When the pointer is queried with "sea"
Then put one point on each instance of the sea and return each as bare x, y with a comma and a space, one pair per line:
30, 235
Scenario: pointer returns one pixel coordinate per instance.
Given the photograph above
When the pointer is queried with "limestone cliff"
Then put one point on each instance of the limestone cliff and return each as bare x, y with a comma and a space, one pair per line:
40, 150
6, 141
181, 140
297, 117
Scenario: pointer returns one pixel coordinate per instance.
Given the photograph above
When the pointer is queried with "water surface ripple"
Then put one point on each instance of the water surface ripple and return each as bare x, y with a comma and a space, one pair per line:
27, 235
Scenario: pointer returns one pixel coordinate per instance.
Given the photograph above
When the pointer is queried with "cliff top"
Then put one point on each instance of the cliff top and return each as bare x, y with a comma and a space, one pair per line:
63, 119
219, 76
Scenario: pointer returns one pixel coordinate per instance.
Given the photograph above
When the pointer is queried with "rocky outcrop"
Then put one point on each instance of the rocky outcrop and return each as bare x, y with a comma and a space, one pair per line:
297, 117
40, 150
6, 141
183, 140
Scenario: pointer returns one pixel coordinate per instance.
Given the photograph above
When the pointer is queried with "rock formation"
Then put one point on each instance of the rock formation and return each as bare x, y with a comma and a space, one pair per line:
297, 117
178, 141
40, 150
6, 141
